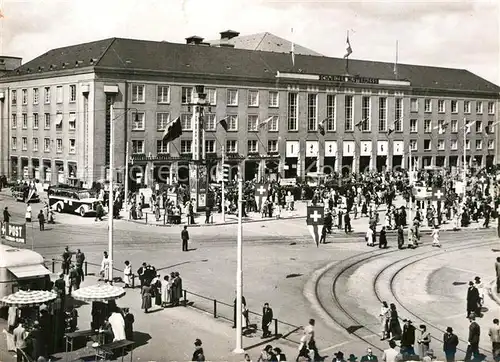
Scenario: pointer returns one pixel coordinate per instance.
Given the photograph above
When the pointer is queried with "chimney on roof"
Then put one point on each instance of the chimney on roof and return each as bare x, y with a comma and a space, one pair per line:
228, 35
194, 40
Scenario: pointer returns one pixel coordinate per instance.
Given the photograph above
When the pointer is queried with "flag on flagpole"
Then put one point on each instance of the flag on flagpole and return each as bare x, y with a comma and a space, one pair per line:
222, 122
321, 129
360, 124
396, 62
173, 131
265, 122
293, 51
348, 47
391, 130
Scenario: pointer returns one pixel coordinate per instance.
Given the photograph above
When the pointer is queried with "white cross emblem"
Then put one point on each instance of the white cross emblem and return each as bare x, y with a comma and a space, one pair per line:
315, 216
482, 179
438, 194
261, 190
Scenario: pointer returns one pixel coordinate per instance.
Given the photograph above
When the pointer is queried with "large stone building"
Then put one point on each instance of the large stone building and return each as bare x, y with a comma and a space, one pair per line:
56, 111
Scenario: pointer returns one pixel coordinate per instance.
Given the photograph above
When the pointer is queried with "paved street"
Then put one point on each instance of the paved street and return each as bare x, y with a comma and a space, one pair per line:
289, 277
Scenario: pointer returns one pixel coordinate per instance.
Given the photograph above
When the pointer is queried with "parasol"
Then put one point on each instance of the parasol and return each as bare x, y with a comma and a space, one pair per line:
29, 298
98, 293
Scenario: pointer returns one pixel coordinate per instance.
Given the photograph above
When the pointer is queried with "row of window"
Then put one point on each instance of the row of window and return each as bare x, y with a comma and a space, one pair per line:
441, 145
453, 104
442, 126
47, 95
47, 121
46, 144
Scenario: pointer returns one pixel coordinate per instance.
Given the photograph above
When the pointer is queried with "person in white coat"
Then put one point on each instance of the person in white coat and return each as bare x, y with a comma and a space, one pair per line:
127, 274
369, 237
28, 214
435, 237
105, 267
117, 326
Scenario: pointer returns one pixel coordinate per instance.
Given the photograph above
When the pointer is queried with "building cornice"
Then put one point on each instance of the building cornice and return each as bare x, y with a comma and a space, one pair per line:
51, 74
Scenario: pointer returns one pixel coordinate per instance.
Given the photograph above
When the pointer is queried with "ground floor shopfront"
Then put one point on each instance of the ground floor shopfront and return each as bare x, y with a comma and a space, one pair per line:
47, 171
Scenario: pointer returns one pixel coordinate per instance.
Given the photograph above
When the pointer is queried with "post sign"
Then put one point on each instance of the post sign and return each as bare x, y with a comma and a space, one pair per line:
13, 232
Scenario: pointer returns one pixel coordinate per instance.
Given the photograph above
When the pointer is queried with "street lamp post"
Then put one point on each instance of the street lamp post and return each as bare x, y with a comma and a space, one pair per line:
110, 197
239, 271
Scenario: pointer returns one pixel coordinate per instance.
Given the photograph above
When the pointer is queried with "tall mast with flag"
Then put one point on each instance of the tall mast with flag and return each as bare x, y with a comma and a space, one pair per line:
396, 62
292, 51
348, 51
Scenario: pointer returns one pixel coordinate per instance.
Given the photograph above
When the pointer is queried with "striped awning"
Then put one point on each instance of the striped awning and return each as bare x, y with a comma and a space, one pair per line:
29, 298
98, 293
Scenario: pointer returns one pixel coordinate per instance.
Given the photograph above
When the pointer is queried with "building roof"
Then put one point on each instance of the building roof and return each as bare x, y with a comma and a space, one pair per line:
144, 55
266, 42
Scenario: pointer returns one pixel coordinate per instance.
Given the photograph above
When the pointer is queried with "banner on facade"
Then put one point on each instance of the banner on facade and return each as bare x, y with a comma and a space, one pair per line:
13, 232
348, 149
366, 148
292, 148
261, 194
315, 220
382, 148
288, 181
330, 148
398, 148
311, 148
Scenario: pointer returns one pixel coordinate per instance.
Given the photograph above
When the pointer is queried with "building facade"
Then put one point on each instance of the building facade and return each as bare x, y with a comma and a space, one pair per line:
56, 117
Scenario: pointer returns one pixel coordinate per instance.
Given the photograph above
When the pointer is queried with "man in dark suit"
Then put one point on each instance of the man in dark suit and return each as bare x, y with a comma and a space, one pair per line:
473, 299
185, 238
450, 343
267, 318
474, 334
408, 339
369, 356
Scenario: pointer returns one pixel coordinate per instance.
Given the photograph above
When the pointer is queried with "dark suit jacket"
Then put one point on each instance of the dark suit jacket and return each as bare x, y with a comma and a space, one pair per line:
60, 284
267, 315
472, 297
408, 336
474, 333
450, 342
368, 358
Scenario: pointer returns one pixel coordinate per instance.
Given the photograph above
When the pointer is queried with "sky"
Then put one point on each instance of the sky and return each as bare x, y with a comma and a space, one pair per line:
457, 34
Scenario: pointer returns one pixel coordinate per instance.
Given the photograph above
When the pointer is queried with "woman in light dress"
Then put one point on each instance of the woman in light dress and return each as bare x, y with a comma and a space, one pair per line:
105, 267
435, 237
166, 292
127, 274
385, 315
424, 341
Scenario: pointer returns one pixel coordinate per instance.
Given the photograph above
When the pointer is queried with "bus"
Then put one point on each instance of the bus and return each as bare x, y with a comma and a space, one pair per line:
72, 200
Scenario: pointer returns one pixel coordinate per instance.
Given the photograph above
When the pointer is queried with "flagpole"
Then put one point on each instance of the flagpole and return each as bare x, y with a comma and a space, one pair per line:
464, 175
126, 181
410, 211
396, 64
347, 58
223, 187
239, 271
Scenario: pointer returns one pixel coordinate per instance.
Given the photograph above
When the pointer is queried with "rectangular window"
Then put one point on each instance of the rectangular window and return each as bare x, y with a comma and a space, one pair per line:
36, 95
14, 143
25, 121
138, 95
454, 126
35, 121
382, 114
272, 146
491, 107
163, 94
252, 122
330, 113
211, 96
466, 106
24, 93
14, 121
187, 95
13, 97
46, 121
72, 121
59, 145
72, 93
413, 126
161, 147
428, 105
441, 108
467, 144
210, 146
253, 98
272, 126
454, 106
365, 113
312, 112
210, 122
59, 94
349, 122
413, 145
479, 126
479, 144
427, 126
162, 119
231, 146
273, 99
232, 97
137, 146
491, 128
186, 123
72, 145
35, 144
59, 120
232, 122
441, 126
479, 107
440, 145
46, 96
252, 146
454, 144
138, 121
491, 144
398, 121
427, 145
293, 111
414, 105
186, 146
46, 145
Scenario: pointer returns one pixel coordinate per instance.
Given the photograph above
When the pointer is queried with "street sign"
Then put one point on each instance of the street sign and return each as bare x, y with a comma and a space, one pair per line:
13, 232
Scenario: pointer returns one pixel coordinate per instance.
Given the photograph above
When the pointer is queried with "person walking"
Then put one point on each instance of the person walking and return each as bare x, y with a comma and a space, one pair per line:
185, 238
6, 215
28, 213
394, 326
424, 341
382, 239
408, 339
385, 315
474, 336
390, 353
472, 299
401, 237
66, 260
450, 343
105, 267
41, 220
267, 318
80, 259
146, 298
494, 333
198, 354
127, 274
435, 237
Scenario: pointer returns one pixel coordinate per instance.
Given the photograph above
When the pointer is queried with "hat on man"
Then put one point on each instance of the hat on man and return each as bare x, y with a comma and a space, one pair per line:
471, 283
352, 358
477, 279
449, 330
339, 355
197, 342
